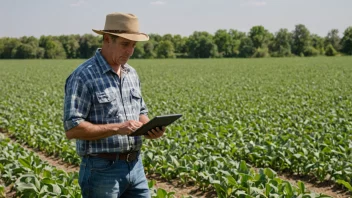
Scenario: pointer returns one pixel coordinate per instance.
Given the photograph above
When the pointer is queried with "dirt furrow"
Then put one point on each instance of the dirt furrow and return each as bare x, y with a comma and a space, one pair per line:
327, 188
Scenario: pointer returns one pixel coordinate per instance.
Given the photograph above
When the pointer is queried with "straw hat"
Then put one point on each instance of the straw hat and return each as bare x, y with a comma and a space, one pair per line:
123, 25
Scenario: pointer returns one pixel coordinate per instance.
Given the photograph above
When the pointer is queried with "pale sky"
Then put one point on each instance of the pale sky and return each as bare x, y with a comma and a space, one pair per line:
56, 17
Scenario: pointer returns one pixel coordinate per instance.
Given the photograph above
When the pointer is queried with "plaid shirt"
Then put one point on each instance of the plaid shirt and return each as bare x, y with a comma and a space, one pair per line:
95, 93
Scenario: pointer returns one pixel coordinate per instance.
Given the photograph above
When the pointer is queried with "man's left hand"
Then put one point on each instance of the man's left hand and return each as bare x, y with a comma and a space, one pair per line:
155, 133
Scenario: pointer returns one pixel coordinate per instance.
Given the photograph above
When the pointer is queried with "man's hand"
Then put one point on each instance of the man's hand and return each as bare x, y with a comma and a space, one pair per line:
155, 133
129, 127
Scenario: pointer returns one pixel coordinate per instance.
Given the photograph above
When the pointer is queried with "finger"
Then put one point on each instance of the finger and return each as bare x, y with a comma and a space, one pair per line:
140, 124
131, 129
137, 123
157, 133
134, 126
151, 134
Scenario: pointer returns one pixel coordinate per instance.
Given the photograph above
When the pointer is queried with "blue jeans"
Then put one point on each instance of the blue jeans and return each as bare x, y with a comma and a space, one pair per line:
100, 177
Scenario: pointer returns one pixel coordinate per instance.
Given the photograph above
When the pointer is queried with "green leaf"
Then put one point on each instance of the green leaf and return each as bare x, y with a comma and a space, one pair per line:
21, 186
288, 189
174, 160
24, 163
243, 167
56, 189
47, 181
269, 173
161, 193
346, 184
302, 188
219, 189
232, 181
151, 183
267, 189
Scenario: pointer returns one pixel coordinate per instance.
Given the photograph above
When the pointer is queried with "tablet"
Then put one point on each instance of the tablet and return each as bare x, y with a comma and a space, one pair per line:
158, 121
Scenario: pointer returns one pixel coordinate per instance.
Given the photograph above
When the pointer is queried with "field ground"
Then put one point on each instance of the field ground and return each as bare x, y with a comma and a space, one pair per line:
292, 115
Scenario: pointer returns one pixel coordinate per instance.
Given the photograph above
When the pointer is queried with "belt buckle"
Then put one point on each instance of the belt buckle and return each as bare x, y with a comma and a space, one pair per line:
128, 157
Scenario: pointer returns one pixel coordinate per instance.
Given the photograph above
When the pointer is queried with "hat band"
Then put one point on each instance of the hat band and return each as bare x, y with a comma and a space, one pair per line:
120, 31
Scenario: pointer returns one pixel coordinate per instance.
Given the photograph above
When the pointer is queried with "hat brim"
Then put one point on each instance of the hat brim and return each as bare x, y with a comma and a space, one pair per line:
129, 36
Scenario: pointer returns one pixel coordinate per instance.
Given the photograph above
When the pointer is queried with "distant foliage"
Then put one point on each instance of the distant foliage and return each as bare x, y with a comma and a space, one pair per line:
346, 42
330, 51
310, 51
258, 42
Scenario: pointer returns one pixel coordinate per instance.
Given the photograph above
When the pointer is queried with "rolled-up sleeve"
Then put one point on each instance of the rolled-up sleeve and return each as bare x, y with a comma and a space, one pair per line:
77, 102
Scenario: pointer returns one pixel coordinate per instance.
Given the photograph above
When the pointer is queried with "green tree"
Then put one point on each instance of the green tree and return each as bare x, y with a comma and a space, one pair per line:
301, 40
88, 44
333, 38
330, 51
310, 51
281, 45
247, 48
53, 47
260, 36
201, 45
180, 45
261, 52
346, 41
40, 52
165, 49
32, 41
318, 43
25, 51
223, 42
149, 50
71, 45
167, 37
2, 47
235, 41
10, 46
155, 37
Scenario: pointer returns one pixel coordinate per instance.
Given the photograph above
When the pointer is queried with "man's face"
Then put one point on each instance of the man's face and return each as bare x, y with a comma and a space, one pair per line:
121, 50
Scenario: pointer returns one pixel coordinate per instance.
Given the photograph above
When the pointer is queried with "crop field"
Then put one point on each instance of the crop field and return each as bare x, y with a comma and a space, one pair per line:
244, 122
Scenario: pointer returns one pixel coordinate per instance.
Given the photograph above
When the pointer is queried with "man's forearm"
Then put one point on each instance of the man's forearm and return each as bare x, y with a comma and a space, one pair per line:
88, 131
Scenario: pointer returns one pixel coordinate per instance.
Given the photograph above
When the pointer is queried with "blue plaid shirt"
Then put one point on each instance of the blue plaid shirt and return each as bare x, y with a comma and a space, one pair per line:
95, 93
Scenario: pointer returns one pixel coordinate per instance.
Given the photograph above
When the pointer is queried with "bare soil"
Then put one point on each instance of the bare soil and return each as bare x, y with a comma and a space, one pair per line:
326, 187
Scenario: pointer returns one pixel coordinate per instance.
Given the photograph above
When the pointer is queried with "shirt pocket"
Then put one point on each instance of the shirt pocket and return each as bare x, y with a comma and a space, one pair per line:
106, 96
136, 97
107, 103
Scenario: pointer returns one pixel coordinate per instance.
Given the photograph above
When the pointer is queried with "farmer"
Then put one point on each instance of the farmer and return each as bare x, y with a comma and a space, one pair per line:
103, 105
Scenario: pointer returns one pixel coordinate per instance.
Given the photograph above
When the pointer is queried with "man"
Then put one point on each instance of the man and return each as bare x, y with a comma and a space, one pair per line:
103, 105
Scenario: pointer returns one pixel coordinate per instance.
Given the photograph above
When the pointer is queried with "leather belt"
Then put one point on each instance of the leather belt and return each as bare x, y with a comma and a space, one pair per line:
121, 156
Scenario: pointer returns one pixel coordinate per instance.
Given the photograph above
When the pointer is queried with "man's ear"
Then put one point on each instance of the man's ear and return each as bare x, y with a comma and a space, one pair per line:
106, 38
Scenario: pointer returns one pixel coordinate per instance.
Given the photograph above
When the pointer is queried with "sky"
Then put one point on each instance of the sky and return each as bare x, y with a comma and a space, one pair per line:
57, 17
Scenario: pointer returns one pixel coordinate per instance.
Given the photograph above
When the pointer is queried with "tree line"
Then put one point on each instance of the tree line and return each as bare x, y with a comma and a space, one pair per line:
258, 42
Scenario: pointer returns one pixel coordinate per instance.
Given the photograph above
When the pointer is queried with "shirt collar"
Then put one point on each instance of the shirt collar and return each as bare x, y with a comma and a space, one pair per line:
105, 65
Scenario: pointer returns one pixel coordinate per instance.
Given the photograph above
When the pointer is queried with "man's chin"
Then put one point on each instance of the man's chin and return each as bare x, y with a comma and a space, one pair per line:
124, 60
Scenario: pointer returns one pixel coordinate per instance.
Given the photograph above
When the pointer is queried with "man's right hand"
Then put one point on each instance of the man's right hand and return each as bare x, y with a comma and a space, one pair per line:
129, 127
